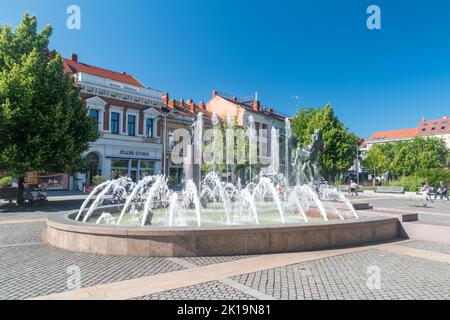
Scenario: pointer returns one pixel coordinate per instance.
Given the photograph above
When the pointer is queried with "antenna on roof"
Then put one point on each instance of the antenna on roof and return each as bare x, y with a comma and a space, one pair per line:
256, 95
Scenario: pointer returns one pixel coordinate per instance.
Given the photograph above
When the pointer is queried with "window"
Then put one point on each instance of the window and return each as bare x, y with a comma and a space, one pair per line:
131, 125
149, 128
115, 121
119, 168
93, 113
443, 128
147, 168
424, 129
434, 128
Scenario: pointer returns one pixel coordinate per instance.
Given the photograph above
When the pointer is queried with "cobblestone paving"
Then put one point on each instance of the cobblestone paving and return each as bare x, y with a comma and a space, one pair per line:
204, 261
428, 246
346, 276
205, 291
37, 270
12, 234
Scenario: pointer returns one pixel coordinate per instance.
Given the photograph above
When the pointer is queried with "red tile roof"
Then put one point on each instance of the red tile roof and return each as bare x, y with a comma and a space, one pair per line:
74, 67
393, 135
248, 106
431, 127
183, 108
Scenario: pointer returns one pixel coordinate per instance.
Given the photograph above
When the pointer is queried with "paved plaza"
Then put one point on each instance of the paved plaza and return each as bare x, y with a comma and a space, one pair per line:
410, 269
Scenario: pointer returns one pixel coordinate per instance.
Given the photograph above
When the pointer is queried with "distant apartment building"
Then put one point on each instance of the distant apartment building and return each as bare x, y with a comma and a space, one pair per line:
181, 114
427, 128
241, 109
128, 116
436, 128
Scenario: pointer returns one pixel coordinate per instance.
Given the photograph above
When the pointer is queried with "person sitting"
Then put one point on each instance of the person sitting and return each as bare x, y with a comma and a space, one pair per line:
425, 191
442, 191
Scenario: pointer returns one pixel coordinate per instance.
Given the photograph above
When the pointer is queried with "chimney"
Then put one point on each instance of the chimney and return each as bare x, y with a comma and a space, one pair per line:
192, 106
256, 105
201, 105
182, 103
234, 99
165, 98
172, 103
189, 101
271, 110
74, 57
214, 93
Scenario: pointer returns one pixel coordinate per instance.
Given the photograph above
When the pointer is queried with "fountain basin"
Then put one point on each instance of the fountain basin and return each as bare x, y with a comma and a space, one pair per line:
66, 233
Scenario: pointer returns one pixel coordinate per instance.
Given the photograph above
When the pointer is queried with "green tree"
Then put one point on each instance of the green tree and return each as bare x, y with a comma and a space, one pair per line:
43, 123
340, 144
418, 154
377, 160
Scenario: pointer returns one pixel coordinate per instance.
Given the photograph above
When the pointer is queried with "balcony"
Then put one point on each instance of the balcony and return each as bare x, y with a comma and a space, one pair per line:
125, 137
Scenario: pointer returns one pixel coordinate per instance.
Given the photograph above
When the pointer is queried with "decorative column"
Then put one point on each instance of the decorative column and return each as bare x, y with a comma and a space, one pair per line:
124, 120
106, 118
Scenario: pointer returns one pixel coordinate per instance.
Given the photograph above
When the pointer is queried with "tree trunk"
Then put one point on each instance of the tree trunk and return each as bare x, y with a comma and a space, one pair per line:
20, 191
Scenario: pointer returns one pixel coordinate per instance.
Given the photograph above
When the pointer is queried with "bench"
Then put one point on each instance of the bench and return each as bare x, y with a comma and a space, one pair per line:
390, 189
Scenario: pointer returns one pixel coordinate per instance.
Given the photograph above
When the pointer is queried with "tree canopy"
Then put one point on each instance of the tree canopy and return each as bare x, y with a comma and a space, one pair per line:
43, 123
407, 158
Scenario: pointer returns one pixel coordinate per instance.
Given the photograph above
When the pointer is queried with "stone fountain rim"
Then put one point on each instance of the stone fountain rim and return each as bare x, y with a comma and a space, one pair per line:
67, 223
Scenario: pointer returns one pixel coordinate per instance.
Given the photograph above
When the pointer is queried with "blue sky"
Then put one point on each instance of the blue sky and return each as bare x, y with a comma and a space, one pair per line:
320, 51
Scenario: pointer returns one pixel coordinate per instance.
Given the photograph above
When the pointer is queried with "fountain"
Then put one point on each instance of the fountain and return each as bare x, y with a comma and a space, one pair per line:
288, 136
252, 144
198, 145
275, 152
217, 217
229, 143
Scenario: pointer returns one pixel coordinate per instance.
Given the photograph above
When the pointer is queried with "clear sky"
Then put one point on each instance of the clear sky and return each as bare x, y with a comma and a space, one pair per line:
319, 51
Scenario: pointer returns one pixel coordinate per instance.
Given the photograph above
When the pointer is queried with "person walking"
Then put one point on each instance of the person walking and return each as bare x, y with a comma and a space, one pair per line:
353, 188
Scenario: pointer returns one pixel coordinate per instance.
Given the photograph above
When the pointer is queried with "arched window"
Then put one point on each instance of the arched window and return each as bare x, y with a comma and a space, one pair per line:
149, 128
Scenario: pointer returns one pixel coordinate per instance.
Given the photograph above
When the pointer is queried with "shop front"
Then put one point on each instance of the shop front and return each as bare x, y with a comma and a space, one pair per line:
135, 169
131, 162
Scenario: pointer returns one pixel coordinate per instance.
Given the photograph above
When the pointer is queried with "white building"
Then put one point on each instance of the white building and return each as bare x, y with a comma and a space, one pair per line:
127, 114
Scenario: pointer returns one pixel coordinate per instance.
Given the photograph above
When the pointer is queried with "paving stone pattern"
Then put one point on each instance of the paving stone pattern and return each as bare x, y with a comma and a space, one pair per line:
346, 276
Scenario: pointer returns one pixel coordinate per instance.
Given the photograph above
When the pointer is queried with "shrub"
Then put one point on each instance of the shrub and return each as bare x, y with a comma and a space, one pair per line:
97, 180
434, 176
412, 183
6, 181
429, 176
